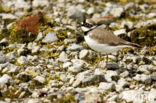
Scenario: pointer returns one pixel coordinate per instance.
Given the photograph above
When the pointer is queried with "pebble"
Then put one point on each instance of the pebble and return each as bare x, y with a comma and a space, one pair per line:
63, 57
5, 79
116, 12
76, 68
50, 37
120, 85
106, 86
83, 54
111, 75
22, 60
90, 11
143, 78
66, 64
75, 47
42, 3
4, 59
40, 79
76, 13
135, 96
39, 36
119, 32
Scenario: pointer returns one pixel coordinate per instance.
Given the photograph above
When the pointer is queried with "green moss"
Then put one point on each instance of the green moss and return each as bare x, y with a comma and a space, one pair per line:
144, 35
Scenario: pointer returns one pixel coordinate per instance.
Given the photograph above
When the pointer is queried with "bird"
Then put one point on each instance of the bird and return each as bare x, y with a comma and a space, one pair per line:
104, 41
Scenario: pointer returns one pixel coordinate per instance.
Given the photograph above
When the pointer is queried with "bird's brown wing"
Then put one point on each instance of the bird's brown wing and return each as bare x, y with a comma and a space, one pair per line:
104, 36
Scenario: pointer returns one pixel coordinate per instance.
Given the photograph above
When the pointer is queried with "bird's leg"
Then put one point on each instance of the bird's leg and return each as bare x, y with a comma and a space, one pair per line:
106, 61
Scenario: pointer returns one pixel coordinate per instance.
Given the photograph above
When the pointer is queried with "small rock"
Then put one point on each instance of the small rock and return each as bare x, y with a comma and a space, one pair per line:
39, 36
119, 32
24, 76
75, 47
40, 79
5, 79
90, 10
7, 16
63, 57
42, 3
33, 101
143, 78
106, 86
83, 53
112, 66
4, 59
76, 13
50, 37
111, 75
22, 60
134, 96
10, 68
21, 4
63, 77
4, 42
76, 68
67, 64
66, 41
116, 12
120, 85
12, 55
151, 96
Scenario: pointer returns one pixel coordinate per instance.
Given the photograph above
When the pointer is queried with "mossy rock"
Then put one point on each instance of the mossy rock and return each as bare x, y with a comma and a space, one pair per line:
144, 36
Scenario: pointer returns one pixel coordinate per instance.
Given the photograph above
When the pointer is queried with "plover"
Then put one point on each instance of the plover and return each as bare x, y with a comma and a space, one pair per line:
104, 41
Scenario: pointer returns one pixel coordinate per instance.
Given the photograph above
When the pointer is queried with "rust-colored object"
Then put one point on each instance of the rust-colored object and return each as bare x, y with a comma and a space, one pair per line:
31, 23
101, 20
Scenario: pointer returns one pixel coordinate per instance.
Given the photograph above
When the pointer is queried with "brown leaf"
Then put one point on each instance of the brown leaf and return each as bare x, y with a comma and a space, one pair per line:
31, 23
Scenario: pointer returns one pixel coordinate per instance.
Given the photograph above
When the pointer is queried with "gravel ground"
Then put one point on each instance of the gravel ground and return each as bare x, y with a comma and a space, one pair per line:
55, 65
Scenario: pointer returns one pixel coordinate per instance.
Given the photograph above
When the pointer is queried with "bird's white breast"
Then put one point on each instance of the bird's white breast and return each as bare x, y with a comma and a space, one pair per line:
103, 48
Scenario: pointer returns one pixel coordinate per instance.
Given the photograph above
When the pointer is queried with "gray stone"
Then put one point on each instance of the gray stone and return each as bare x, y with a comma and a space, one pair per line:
67, 64
22, 60
33, 101
119, 32
83, 54
76, 68
63, 57
106, 86
7, 16
143, 78
42, 3
23, 76
4, 59
21, 4
40, 79
151, 96
12, 55
111, 75
120, 85
116, 12
10, 68
80, 77
5, 79
76, 13
112, 66
75, 47
4, 42
63, 77
39, 36
90, 10
66, 41
134, 96
50, 37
